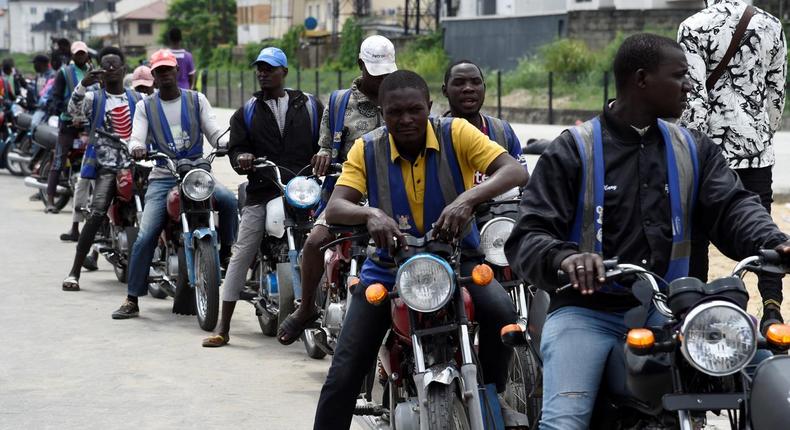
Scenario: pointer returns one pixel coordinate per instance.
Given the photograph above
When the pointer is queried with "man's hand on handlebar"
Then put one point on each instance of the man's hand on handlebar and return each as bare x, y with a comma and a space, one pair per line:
384, 231
453, 219
784, 250
139, 153
320, 164
585, 270
245, 161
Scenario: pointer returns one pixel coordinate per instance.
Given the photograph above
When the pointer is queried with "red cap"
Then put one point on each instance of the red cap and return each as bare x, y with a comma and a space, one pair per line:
163, 57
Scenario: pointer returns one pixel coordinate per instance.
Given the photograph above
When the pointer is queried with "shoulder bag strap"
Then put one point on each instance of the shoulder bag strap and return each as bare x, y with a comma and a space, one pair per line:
740, 30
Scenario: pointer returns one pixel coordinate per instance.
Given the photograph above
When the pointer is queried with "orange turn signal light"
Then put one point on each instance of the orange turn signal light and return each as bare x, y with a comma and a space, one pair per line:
375, 294
482, 274
640, 338
778, 335
352, 282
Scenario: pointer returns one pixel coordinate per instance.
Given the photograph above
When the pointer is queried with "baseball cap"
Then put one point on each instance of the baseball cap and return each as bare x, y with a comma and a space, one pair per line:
273, 56
79, 46
378, 54
163, 57
142, 76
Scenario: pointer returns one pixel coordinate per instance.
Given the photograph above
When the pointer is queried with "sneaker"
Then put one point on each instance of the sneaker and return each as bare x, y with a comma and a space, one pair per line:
127, 310
771, 315
90, 263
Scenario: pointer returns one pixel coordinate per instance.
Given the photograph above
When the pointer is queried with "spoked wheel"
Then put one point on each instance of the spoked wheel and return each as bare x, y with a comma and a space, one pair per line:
524, 390
445, 409
206, 284
61, 200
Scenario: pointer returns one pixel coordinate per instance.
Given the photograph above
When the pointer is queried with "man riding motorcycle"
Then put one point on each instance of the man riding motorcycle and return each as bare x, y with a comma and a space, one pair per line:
174, 122
117, 104
410, 149
39, 88
350, 114
660, 181
289, 144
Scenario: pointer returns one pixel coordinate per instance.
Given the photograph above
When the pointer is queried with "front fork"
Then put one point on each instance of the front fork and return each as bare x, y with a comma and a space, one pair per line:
293, 259
189, 244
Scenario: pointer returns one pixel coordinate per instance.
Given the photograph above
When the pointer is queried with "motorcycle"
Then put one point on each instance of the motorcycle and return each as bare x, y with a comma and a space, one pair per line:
13, 120
698, 361
289, 218
186, 265
120, 230
46, 136
523, 392
428, 356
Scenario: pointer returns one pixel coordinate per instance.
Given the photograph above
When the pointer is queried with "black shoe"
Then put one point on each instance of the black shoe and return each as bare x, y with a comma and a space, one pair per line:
771, 315
90, 263
70, 237
127, 310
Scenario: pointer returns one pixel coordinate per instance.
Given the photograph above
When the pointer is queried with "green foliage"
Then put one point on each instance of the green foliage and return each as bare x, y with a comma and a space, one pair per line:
350, 39
530, 73
290, 44
425, 55
567, 57
204, 24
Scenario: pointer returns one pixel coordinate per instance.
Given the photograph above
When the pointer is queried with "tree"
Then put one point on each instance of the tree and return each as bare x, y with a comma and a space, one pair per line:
204, 24
350, 39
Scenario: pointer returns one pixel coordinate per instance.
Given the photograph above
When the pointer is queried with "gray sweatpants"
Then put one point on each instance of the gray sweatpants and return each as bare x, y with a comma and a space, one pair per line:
251, 231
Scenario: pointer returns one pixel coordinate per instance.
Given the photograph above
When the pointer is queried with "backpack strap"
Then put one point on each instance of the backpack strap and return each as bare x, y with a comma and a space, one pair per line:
338, 102
249, 111
315, 117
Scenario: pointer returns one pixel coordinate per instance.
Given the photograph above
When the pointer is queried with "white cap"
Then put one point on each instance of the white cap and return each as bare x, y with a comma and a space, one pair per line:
378, 54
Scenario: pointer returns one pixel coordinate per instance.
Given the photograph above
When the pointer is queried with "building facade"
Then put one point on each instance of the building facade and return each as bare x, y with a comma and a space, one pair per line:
23, 15
139, 29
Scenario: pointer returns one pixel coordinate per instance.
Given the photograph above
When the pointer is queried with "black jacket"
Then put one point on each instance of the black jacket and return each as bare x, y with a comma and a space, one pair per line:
293, 150
636, 225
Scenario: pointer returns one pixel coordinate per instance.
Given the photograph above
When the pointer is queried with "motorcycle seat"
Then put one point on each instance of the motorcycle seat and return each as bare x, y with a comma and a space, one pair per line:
46, 136
24, 120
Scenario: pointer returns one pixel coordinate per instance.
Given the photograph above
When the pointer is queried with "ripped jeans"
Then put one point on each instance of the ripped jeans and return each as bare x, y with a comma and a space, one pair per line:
575, 344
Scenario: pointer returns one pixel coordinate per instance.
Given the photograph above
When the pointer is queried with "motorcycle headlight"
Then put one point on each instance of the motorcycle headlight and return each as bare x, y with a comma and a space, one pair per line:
302, 192
198, 185
425, 283
492, 239
718, 338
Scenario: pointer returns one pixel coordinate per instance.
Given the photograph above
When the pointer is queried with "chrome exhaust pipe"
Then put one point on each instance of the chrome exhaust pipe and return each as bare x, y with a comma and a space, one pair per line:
19, 158
34, 183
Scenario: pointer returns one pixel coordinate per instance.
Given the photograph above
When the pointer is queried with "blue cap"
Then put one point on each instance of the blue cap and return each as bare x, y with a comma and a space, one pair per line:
273, 56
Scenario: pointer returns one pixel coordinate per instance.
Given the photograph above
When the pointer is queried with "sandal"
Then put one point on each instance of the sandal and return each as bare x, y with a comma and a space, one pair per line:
71, 283
216, 341
293, 328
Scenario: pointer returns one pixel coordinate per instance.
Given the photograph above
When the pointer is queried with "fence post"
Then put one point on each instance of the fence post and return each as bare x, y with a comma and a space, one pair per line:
204, 81
339, 79
230, 101
499, 94
241, 89
298, 77
551, 97
216, 87
317, 84
605, 87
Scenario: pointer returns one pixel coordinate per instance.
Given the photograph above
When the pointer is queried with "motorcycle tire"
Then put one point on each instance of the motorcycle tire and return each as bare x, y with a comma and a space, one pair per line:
184, 299
446, 411
310, 339
16, 168
120, 273
286, 301
206, 284
524, 390
61, 200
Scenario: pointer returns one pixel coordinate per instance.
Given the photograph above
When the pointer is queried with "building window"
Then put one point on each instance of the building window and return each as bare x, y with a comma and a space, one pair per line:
145, 28
33, 10
125, 28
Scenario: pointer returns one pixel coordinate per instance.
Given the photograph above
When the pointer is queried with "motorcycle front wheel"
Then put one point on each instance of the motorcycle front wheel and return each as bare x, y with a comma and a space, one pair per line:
446, 411
206, 285
524, 390
14, 167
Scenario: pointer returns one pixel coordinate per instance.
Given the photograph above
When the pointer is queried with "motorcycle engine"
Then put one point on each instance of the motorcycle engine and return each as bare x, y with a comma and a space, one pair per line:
335, 313
172, 265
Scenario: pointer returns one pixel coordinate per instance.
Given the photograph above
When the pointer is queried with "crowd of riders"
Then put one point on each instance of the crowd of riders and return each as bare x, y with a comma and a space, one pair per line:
631, 183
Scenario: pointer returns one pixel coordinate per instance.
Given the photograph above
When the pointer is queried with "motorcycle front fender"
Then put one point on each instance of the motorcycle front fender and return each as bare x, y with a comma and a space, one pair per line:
442, 374
190, 242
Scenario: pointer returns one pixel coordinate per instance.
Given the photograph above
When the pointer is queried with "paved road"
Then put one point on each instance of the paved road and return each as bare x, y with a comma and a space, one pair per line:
65, 364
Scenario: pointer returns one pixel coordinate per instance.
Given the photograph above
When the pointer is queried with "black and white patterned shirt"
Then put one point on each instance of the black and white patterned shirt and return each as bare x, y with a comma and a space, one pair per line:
744, 108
